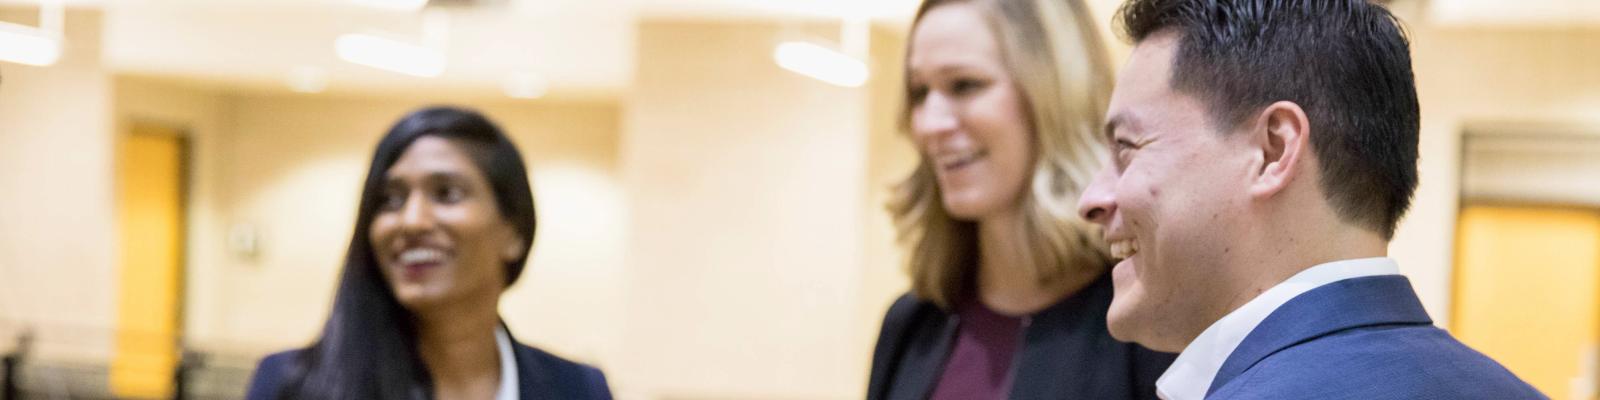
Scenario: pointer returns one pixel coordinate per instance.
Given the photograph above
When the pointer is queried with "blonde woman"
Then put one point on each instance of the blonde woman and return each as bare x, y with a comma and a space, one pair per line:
1009, 287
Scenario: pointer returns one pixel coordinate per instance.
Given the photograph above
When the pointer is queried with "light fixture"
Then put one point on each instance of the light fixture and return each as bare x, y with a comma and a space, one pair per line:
821, 63
39, 46
397, 5
390, 55
524, 85
24, 47
307, 79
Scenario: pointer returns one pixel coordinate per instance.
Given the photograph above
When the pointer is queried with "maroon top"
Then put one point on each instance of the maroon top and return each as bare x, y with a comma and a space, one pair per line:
979, 366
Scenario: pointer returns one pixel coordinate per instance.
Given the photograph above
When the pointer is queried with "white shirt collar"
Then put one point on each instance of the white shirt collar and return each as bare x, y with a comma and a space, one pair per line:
1190, 376
508, 366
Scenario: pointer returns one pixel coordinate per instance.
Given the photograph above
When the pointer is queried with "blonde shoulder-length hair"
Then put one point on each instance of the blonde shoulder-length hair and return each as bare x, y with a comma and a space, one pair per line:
1059, 66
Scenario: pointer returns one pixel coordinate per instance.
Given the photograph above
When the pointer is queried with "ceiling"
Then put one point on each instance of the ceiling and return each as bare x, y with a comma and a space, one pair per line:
581, 47
1514, 13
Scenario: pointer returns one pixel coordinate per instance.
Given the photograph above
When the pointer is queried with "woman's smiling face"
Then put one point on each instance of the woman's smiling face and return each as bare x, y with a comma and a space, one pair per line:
967, 116
438, 234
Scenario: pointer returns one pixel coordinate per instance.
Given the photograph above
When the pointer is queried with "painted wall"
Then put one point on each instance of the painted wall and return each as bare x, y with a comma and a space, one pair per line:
287, 169
745, 184
295, 169
724, 212
1468, 77
57, 225
200, 115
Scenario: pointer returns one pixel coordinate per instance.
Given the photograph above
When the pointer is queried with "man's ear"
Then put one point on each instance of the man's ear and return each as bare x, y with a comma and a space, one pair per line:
1282, 135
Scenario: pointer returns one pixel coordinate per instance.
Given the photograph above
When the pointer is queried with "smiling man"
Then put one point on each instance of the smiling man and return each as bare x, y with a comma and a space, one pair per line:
1262, 153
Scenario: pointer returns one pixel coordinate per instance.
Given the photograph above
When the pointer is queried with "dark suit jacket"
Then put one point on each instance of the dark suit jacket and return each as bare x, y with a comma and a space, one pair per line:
540, 375
1066, 353
1361, 338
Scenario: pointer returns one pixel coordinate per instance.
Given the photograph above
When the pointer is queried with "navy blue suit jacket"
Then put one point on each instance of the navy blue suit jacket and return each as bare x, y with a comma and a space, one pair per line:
1361, 338
540, 375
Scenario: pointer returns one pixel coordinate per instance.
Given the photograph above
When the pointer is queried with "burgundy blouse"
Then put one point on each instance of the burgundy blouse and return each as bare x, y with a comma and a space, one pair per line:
979, 365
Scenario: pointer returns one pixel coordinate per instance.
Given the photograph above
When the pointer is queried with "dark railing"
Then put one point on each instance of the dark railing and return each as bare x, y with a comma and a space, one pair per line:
12, 363
198, 375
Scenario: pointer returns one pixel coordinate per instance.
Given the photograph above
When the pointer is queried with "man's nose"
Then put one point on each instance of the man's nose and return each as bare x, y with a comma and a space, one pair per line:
1099, 200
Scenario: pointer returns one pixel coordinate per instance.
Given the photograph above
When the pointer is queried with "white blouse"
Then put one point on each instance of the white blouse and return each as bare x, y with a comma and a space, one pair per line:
508, 366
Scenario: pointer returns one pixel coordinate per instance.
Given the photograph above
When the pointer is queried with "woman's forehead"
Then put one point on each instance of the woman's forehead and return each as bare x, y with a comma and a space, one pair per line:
432, 156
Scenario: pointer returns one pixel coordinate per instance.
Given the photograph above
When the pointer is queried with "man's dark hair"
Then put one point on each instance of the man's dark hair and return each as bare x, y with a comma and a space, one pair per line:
1347, 63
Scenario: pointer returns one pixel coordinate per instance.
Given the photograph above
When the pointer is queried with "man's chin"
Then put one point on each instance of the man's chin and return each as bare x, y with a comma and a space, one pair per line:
1122, 335
1120, 326
1126, 325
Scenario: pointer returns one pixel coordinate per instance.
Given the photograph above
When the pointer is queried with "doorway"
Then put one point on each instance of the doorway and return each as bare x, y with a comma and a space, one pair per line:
1526, 286
1526, 292
151, 209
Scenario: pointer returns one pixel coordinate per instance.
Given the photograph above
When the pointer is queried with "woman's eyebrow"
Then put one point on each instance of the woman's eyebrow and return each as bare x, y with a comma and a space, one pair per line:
430, 176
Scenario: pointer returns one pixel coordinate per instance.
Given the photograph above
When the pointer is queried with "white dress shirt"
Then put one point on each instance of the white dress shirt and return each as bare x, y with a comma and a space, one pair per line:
1191, 374
508, 367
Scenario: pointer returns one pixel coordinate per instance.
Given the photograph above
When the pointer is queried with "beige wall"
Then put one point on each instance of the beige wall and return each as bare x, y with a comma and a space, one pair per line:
1542, 170
200, 115
718, 233
1469, 76
745, 250
890, 158
295, 169
288, 168
700, 263
57, 212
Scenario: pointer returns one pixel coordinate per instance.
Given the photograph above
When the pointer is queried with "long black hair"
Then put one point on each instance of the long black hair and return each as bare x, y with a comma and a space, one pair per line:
368, 348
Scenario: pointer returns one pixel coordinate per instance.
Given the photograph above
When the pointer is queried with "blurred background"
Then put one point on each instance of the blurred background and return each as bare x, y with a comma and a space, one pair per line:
178, 180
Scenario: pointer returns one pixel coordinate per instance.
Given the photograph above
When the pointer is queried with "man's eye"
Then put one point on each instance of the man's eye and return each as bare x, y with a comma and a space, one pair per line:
1122, 151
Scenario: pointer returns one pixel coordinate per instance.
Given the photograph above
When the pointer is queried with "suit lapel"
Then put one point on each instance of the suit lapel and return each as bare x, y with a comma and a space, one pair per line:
921, 368
1057, 342
533, 381
1335, 307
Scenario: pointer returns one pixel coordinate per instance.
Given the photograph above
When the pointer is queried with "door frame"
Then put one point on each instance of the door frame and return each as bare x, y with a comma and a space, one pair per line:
183, 137
1543, 133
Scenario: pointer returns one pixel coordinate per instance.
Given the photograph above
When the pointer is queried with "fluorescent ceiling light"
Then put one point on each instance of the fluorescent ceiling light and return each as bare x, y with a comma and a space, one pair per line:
307, 79
525, 85
26, 46
399, 5
821, 63
390, 55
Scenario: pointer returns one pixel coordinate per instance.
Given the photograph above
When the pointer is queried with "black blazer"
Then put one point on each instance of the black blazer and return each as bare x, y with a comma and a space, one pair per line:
1066, 353
540, 375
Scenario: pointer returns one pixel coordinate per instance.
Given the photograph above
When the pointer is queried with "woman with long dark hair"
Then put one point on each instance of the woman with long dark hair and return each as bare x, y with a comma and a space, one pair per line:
443, 227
